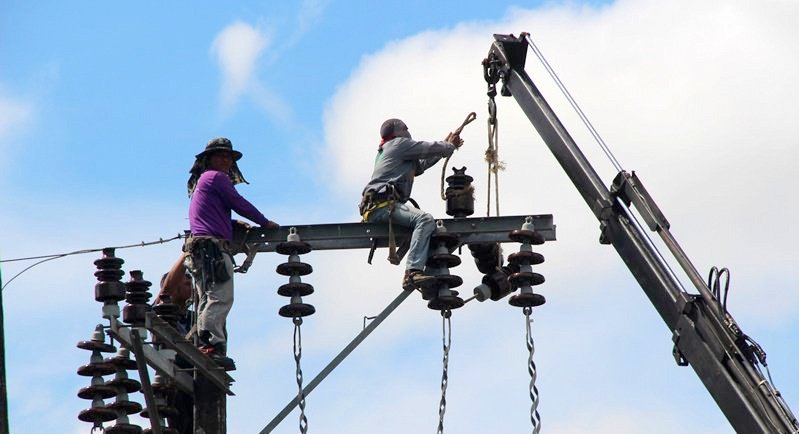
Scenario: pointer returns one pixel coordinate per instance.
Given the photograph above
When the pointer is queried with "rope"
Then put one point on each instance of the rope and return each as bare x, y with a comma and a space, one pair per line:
469, 118
79, 252
492, 156
446, 331
535, 418
297, 356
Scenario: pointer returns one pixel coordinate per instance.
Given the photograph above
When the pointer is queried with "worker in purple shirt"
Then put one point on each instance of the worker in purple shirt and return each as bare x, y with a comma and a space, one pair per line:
208, 254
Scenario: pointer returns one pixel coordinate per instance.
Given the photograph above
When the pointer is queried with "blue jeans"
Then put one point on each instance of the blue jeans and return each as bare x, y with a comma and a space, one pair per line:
423, 226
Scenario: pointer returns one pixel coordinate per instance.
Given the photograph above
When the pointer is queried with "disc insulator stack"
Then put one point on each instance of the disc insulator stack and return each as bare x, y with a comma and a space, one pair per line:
124, 386
524, 279
109, 289
438, 288
98, 390
137, 296
295, 269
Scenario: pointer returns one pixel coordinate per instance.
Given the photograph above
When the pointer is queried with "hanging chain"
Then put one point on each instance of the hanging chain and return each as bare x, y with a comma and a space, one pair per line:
446, 339
492, 156
297, 355
535, 418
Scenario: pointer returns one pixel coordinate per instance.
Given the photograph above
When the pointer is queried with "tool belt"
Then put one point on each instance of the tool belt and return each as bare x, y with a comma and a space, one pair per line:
206, 258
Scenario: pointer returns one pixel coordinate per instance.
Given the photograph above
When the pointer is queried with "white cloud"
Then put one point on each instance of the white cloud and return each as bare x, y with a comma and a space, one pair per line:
237, 49
698, 99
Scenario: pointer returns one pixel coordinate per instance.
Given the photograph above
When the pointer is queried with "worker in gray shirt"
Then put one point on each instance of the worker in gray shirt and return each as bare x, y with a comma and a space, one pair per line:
385, 198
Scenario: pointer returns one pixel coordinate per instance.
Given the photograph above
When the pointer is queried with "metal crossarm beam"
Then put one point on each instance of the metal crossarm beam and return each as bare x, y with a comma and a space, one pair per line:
171, 338
360, 235
151, 356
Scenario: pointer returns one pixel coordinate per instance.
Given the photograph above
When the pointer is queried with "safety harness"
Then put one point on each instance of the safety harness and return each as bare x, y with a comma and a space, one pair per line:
373, 200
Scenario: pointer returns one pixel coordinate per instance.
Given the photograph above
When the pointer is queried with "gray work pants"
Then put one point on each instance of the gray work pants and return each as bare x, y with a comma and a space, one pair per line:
215, 302
423, 227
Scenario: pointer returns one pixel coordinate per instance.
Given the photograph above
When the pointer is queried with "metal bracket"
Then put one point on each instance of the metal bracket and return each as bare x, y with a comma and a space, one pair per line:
152, 357
171, 338
630, 189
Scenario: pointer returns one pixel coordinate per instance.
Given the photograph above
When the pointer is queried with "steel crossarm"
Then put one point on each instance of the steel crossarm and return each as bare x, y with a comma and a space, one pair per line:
334, 236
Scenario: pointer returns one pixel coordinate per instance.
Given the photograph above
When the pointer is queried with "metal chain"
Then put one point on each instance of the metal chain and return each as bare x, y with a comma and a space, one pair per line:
297, 355
535, 418
446, 339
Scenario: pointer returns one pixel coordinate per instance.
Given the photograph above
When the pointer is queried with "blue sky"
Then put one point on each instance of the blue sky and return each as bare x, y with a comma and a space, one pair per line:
102, 108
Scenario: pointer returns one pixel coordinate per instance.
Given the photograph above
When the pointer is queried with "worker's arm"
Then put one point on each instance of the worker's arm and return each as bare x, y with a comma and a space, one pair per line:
238, 203
176, 284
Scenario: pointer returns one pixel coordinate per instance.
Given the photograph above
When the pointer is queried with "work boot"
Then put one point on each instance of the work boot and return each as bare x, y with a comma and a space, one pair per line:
217, 354
413, 279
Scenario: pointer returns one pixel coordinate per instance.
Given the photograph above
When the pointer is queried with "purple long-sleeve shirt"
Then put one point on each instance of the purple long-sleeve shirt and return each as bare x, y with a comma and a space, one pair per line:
211, 203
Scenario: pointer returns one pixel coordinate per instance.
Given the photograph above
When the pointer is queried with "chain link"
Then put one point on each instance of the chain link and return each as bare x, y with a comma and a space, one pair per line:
446, 339
535, 418
297, 355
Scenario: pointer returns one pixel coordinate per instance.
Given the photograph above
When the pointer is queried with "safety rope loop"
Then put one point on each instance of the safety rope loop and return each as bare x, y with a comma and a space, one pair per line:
535, 418
492, 156
297, 356
446, 339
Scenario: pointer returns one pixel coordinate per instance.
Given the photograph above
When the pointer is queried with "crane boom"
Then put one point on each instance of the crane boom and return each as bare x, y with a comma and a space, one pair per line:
705, 335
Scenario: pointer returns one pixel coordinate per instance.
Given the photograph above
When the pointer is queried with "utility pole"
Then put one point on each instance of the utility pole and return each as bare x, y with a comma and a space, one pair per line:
3, 393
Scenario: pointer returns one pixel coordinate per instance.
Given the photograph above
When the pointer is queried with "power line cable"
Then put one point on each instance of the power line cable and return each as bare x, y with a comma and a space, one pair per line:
45, 258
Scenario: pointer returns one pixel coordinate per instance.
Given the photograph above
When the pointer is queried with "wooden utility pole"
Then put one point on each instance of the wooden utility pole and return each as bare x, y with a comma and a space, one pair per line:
3, 393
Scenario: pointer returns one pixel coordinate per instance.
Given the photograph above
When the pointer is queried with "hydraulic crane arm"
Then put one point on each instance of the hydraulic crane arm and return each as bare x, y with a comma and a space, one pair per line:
705, 336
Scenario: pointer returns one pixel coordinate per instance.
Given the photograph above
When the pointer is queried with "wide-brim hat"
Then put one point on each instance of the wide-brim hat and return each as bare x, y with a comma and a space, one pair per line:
220, 144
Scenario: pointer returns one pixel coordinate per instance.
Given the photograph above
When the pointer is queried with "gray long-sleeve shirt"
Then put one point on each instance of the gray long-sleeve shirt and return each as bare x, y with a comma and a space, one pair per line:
401, 160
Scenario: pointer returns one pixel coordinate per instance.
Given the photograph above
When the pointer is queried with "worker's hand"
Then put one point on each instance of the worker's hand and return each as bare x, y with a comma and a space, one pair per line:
455, 139
242, 225
271, 225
